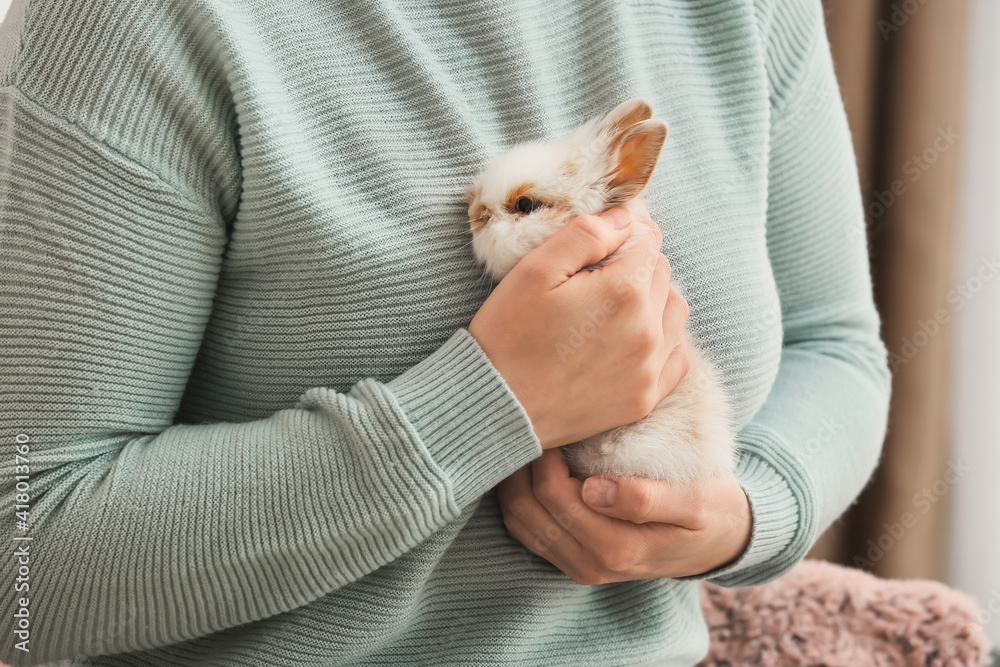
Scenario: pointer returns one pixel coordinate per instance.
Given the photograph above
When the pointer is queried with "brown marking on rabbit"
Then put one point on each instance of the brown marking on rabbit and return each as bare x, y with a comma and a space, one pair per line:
523, 190
479, 216
689, 435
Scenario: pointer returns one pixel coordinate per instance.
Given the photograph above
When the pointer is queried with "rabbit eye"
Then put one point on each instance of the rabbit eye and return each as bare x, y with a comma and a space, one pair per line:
527, 204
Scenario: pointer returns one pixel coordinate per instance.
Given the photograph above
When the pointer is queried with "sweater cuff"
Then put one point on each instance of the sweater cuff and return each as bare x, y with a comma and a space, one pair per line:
466, 416
781, 503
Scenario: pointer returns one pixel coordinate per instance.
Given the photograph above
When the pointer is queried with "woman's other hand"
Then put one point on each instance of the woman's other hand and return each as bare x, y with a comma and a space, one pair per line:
640, 528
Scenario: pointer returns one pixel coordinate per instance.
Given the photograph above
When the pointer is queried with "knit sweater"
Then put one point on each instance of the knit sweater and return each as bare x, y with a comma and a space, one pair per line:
236, 277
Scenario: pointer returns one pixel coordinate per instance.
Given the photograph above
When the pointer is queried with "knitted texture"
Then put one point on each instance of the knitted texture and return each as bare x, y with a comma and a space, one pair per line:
235, 280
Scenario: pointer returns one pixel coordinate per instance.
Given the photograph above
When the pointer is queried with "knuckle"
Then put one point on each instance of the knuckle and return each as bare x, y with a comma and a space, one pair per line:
544, 494
652, 398
698, 506
682, 357
608, 562
663, 264
515, 530
685, 363
646, 218
682, 305
645, 341
590, 577
643, 217
649, 373
643, 405
631, 295
636, 411
630, 411
652, 370
643, 501
619, 560
518, 508
649, 379
590, 226
656, 234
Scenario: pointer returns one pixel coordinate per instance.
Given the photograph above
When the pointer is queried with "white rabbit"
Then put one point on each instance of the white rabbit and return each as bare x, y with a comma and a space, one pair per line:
526, 195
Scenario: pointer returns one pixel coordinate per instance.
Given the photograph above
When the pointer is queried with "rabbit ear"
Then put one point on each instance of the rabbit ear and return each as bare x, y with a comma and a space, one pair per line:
638, 152
625, 115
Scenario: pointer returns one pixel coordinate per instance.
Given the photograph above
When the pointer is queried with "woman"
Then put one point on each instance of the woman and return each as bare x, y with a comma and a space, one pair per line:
271, 415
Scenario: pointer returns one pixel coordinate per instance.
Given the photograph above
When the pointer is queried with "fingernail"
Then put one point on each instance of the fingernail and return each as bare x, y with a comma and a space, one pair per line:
600, 492
619, 216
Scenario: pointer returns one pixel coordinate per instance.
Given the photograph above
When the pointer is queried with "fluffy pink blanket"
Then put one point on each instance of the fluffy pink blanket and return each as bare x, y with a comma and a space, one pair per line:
825, 614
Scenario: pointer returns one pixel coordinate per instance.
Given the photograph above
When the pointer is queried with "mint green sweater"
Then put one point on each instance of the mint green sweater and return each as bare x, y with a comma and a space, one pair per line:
235, 280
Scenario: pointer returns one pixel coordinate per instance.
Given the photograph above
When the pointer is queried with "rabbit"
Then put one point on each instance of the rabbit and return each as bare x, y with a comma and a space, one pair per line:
525, 195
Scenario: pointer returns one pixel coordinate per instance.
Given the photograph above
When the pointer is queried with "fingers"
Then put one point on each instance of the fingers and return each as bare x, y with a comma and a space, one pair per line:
677, 367
529, 522
675, 315
642, 500
659, 288
676, 355
633, 499
512, 490
517, 498
656, 234
585, 240
564, 552
559, 494
533, 542
639, 528
635, 265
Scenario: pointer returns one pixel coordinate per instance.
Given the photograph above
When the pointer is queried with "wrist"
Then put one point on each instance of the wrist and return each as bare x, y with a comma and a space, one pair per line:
539, 423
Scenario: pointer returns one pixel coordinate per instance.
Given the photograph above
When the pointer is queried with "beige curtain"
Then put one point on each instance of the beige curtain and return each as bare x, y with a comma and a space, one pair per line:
900, 67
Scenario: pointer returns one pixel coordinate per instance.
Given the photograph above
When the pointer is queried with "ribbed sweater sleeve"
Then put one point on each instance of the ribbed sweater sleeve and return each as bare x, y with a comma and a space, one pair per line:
815, 442
147, 532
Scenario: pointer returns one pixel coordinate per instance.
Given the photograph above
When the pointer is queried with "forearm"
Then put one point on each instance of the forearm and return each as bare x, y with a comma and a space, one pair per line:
203, 527
147, 532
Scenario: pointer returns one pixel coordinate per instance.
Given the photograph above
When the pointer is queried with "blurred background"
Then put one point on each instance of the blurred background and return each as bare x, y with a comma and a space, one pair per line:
921, 83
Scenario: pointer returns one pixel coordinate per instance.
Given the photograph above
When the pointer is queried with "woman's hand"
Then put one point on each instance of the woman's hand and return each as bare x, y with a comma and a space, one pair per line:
586, 351
642, 529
